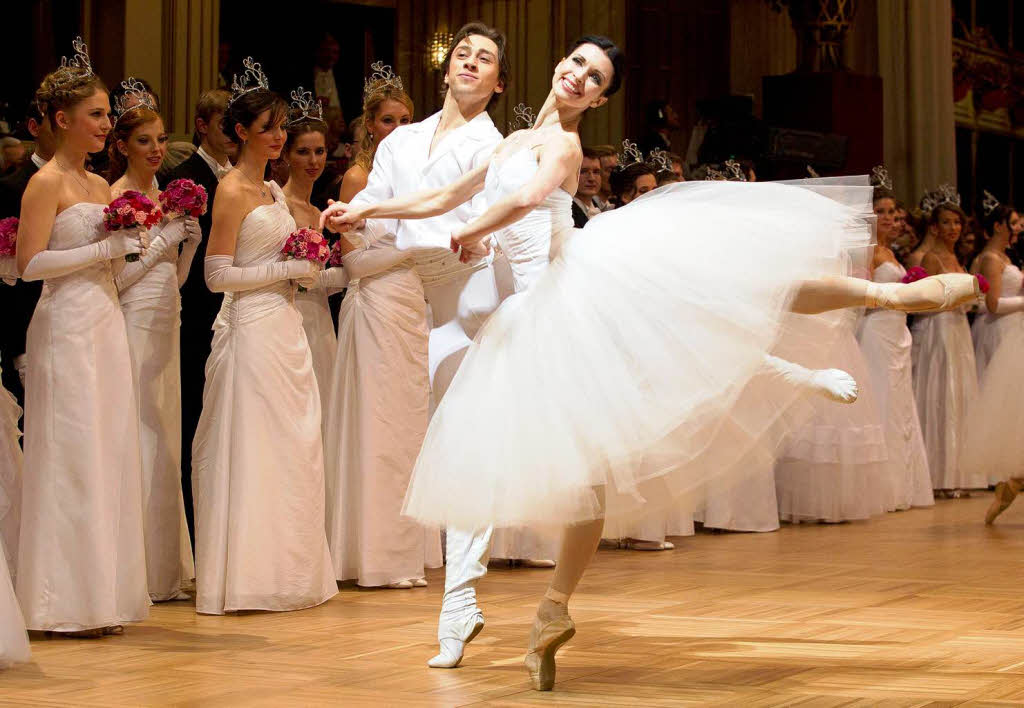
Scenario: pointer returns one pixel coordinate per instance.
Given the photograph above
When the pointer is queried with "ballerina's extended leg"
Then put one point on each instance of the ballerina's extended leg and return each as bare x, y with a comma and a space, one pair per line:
552, 626
939, 292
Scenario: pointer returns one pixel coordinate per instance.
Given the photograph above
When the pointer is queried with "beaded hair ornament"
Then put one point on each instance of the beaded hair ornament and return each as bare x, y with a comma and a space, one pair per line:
304, 107
253, 79
524, 118
135, 96
880, 177
659, 160
990, 203
732, 172
381, 78
629, 156
945, 194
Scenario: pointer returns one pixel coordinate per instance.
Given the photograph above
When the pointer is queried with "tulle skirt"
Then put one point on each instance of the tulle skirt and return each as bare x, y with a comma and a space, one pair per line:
626, 378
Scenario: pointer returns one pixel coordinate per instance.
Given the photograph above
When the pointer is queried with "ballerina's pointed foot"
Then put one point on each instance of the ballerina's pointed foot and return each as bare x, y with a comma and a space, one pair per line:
455, 635
1006, 492
936, 292
835, 385
546, 638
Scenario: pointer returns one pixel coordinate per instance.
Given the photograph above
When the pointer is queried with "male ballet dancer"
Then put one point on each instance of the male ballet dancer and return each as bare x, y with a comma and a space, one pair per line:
427, 155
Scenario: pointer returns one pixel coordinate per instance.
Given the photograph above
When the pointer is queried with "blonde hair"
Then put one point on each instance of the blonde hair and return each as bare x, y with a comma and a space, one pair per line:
371, 104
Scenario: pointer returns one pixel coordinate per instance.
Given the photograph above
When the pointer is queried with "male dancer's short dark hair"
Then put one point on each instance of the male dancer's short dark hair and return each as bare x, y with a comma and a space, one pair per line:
496, 36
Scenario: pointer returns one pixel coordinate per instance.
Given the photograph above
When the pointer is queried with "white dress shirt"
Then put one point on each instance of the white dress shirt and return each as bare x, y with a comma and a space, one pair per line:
217, 169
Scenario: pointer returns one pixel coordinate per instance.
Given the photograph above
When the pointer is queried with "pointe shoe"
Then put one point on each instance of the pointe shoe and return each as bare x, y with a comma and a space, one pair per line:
1006, 492
651, 546
934, 293
534, 563
400, 585
453, 636
545, 640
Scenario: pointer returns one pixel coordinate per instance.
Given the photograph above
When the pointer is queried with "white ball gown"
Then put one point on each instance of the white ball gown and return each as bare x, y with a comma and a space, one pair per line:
993, 448
620, 367
886, 343
13, 639
81, 556
835, 467
377, 417
315, 309
945, 386
257, 457
988, 329
151, 307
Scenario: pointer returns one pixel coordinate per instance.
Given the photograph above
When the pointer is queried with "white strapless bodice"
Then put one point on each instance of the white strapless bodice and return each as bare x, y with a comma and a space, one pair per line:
530, 243
260, 239
893, 320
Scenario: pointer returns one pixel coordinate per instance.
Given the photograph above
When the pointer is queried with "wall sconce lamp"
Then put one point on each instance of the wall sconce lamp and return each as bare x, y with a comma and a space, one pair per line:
437, 49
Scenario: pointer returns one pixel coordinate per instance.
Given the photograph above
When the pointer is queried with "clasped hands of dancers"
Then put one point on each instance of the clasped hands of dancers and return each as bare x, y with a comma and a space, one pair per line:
559, 372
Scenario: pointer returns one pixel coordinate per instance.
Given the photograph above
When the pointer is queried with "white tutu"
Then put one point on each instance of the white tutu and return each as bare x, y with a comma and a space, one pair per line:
621, 369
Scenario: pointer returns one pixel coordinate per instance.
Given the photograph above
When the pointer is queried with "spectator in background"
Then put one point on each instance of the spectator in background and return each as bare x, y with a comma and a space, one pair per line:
630, 182
12, 154
662, 119
609, 159
224, 72
325, 86
584, 204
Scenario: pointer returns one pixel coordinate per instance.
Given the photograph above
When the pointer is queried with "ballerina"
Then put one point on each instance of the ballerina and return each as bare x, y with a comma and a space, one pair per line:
81, 555
258, 453
554, 413
148, 294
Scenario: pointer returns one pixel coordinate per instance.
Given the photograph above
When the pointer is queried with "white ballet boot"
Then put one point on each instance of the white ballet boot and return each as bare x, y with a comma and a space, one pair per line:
461, 620
934, 293
834, 384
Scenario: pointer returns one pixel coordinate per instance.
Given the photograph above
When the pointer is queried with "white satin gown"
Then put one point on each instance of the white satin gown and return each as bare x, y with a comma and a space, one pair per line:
257, 457
619, 368
377, 417
993, 447
886, 343
945, 388
81, 555
315, 309
151, 307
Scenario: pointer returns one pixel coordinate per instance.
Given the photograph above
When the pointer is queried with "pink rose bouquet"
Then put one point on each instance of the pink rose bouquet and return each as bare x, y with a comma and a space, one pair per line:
914, 274
8, 236
307, 245
131, 210
183, 197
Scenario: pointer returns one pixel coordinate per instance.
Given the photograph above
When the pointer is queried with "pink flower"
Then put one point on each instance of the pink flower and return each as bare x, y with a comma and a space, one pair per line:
306, 245
8, 236
983, 282
184, 197
914, 274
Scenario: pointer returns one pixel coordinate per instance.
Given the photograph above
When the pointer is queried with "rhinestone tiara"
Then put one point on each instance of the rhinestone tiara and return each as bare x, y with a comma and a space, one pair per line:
135, 96
252, 79
304, 107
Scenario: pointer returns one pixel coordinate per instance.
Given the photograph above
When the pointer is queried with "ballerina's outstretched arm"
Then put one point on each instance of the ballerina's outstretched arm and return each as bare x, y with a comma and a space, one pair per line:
939, 292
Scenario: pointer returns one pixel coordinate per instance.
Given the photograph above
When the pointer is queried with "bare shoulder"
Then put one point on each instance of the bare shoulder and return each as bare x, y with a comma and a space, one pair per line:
47, 177
356, 175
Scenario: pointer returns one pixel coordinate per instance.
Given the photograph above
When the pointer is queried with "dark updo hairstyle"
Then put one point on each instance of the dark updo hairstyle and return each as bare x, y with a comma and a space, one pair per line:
247, 108
64, 89
881, 193
624, 181
1000, 215
123, 129
614, 54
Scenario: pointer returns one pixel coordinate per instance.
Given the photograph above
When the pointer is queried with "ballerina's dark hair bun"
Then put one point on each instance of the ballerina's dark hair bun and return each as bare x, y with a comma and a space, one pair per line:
614, 54
245, 109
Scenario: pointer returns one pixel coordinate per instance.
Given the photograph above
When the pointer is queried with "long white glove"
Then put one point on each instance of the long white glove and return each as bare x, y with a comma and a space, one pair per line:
834, 384
364, 262
9, 270
222, 276
193, 237
334, 280
1007, 305
53, 264
169, 237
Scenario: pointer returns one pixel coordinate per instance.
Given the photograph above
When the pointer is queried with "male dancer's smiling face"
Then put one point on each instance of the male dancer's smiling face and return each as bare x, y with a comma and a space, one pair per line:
474, 70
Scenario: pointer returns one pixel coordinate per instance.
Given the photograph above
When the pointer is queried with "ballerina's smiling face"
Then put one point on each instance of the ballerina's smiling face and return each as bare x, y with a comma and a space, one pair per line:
146, 146
85, 124
581, 79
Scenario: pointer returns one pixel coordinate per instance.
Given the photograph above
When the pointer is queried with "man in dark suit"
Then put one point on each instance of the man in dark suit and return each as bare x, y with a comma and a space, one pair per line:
584, 204
19, 302
199, 306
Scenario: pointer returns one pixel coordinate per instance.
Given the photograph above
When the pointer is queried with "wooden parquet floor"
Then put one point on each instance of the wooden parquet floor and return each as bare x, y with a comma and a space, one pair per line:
919, 608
